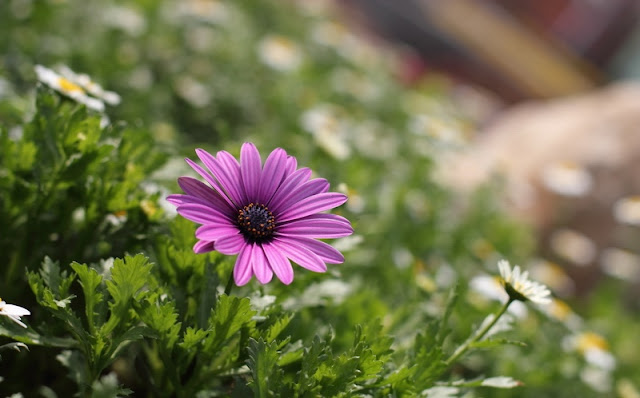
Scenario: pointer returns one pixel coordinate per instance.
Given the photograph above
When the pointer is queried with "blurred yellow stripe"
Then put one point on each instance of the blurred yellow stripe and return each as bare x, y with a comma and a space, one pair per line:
530, 63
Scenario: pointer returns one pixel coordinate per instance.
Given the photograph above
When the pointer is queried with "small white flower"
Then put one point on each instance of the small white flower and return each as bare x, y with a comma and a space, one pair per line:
567, 179
77, 87
68, 88
279, 53
83, 80
501, 382
13, 312
519, 287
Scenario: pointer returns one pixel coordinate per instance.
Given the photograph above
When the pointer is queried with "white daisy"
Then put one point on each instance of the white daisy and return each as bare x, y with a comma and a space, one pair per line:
13, 312
68, 88
519, 287
83, 80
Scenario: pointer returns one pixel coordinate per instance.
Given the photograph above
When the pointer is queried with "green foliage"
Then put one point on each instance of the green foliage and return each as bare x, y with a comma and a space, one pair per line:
70, 187
108, 324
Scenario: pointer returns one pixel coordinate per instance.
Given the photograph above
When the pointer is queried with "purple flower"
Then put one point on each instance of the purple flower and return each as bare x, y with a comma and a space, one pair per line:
266, 214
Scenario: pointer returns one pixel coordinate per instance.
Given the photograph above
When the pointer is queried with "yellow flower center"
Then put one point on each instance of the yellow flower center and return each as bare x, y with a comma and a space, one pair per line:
68, 86
590, 340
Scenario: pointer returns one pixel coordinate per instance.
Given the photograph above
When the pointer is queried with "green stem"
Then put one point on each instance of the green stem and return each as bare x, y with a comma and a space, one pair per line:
477, 336
227, 288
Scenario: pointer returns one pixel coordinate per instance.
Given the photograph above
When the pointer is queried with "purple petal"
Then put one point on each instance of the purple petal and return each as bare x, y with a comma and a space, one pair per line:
260, 265
227, 171
213, 232
291, 166
202, 213
316, 226
251, 169
292, 197
300, 255
279, 263
326, 252
242, 271
177, 199
181, 200
287, 187
231, 244
203, 246
313, 204
272, 174
196, 188
212, 181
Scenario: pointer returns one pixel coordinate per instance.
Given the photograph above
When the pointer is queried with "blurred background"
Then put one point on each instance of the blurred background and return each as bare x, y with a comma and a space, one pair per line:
553, 90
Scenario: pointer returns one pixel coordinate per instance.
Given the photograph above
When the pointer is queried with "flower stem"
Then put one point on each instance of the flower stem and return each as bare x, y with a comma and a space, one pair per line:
479, 334
227, 288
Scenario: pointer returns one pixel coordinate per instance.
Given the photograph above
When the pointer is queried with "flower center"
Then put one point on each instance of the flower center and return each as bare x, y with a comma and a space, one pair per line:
256, 222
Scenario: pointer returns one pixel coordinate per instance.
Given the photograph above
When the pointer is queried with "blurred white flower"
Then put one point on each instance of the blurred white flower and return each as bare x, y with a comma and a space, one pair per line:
627, 210
83, 80
573, 246
125, 18
318, 293
598, 379
328, 131
68, 88
621, 264
501, 382
279, 53
440, 392
192, 91
567, 179
519, 287
594, 348
13, 312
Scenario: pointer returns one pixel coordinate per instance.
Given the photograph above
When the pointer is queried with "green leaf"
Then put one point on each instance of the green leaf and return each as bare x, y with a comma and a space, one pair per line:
128, 277
263, 362
230, 315
55, 279
90, 280
277, 327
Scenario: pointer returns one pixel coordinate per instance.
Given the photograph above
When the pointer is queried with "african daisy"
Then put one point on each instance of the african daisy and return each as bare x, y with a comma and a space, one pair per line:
266, 214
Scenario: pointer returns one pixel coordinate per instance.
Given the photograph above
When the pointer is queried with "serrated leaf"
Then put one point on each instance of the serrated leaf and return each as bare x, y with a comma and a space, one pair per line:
192, 337
128, 277
277, 327
263, 362
230, 315
56, 280
90, 280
